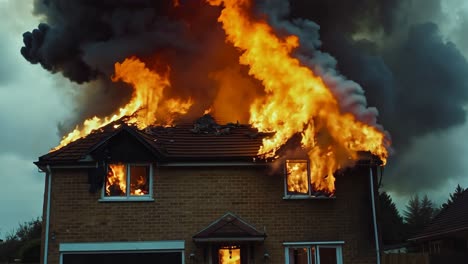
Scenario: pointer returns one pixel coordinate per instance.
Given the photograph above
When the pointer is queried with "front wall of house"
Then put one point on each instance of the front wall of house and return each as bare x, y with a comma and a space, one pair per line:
189, 199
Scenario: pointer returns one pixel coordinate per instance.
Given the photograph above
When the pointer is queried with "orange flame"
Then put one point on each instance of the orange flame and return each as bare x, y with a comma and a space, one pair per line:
143, 107
297, 179
229, 256
116, 180
297, 100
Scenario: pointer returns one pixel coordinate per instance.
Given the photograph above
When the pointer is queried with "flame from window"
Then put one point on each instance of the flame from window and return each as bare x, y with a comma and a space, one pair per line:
297, 176
116, 182
297, 100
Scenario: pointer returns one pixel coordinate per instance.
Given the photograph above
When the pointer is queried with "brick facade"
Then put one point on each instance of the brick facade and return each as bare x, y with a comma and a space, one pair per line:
187, 199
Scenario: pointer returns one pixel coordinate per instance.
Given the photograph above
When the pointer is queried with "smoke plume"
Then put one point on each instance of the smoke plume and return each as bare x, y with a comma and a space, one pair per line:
389, 55
410, 72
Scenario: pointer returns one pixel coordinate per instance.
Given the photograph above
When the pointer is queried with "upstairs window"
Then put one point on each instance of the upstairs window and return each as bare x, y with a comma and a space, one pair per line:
297, 177
297, 181
128, 182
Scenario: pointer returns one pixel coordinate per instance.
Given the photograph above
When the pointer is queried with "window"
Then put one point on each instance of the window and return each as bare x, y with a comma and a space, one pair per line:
297, 177
297, 181
313, 253
128, 182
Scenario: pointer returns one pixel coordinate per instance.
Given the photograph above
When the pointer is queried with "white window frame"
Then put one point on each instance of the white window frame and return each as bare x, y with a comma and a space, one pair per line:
293, 196
123, 247
128, 197
324, 244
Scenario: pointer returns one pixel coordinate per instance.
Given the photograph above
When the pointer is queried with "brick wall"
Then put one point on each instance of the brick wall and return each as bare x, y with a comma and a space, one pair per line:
189, 199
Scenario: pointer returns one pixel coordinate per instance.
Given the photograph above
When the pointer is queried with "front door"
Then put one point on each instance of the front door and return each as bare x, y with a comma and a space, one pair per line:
229, 254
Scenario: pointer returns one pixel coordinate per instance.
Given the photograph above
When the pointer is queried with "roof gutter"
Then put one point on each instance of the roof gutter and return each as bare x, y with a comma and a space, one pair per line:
87, 165
210, 164
374, 217
440, 233
47, 218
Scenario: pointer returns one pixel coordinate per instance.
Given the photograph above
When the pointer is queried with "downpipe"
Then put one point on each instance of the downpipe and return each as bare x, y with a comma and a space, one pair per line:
374, 215
46, 238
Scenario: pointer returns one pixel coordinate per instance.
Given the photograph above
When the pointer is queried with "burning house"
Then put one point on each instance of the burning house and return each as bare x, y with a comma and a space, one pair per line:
289, 180
200, 194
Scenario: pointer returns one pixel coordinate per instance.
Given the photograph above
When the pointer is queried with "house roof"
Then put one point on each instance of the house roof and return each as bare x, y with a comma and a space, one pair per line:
184, 142
229, 228
449, 221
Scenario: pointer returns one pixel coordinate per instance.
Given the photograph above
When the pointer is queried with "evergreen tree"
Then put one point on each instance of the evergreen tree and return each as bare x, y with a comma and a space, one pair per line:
390, 221
453, 196
418, 213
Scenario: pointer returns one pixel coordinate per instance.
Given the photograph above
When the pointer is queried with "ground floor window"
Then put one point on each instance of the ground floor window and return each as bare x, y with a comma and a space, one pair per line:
313, 252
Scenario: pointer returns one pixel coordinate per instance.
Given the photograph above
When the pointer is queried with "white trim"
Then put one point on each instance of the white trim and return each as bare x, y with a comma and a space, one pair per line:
75, 166
123, 246
212, 164
126, 199
229, 239
374, 217
46, 235
438, 233
292, 244
307, 197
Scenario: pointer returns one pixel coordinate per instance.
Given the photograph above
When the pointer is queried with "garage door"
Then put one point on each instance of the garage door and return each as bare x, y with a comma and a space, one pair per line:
123, 258
141, 252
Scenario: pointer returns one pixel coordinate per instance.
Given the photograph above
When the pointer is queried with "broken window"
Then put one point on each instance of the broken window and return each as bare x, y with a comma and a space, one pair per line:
298, 183
297, 177
303, 253
128, 181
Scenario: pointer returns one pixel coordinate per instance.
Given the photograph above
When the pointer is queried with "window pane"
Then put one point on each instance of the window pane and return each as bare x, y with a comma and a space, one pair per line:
116, 182
298, 256
139, 180
297, 176
312, 255
327, 255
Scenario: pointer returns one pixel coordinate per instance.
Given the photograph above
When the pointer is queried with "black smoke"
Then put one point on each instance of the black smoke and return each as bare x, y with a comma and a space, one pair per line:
414, 76
375, 54
83, 39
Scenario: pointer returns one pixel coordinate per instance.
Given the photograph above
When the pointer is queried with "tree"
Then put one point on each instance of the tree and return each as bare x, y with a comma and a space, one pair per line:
418, 213
390, 221
23, 243
454, 196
